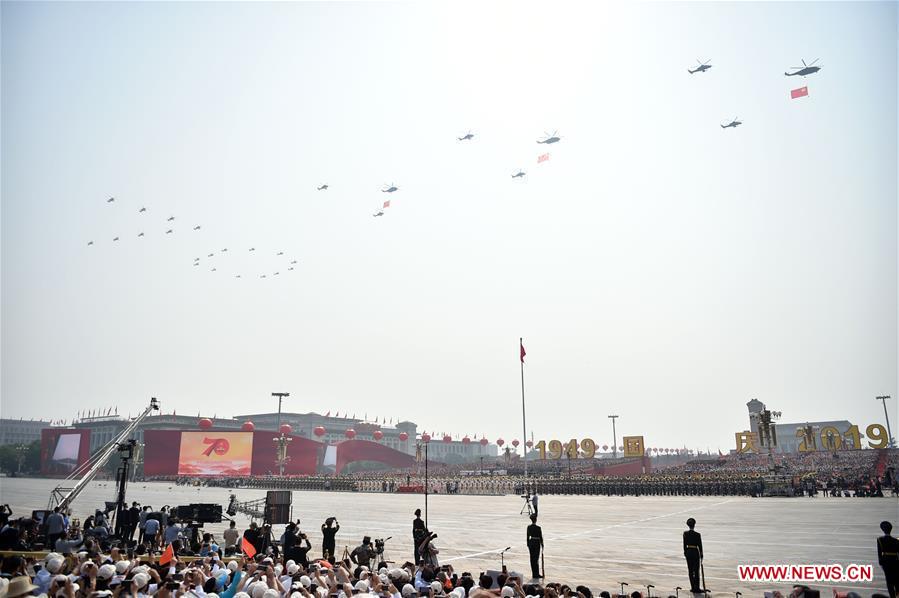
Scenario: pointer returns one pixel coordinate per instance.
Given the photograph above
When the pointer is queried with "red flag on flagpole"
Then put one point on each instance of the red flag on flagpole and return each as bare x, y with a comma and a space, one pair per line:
542, 158
523, 352
798, 93
387, 204
247, 548
167, 555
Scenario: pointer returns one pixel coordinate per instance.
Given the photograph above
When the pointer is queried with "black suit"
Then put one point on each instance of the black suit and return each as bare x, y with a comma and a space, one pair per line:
693, 554
888, 557
329, 543
535, 544
418, 536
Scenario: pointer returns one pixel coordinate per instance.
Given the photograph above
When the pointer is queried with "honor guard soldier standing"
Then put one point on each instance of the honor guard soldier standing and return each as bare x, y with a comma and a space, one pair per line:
418, 534
535, 545
693, 554
888, 556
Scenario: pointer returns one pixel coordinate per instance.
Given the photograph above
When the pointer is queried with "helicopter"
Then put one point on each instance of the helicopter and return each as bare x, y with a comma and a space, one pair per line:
213, 270
322, 188
290, 268
237, 276
252, 249
805, 69
89, 243
467, 137
110, 200
519, 175
197, 227
732, 124
196, 263
554, 138
703, 67
390, 188
225, 250
276, 273
168, 232
280, 253
293, 262
115, 238
263, 276
142, 210
170, 218
210, 255
378, 213
140, 234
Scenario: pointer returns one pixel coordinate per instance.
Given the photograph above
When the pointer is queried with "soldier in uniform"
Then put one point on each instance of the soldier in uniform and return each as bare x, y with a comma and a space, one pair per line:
418, 534
693, 554
535, 545
888, 556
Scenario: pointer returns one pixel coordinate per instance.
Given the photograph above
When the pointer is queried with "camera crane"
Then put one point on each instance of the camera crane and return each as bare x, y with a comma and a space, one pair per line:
254, 509
63, 495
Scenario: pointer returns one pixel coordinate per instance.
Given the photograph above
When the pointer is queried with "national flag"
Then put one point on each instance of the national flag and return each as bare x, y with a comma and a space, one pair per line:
523, 352
798, 93
387, 204
167, 555
542, 158
247, 547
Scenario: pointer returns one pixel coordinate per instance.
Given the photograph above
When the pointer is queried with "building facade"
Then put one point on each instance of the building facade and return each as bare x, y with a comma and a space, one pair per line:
105, 428
21, 431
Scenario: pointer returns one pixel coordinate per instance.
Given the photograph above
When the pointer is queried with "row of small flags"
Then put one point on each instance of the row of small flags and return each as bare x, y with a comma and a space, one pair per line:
98, 412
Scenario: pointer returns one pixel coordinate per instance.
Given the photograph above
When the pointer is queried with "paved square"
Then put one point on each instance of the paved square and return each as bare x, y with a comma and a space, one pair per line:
594, 540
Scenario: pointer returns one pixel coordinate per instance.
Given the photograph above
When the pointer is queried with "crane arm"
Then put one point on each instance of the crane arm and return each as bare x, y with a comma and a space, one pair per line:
63, 497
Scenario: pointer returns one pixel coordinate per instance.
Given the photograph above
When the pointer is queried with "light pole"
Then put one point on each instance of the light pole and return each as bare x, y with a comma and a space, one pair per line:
614, 437
21, 450
280, 396
883, 399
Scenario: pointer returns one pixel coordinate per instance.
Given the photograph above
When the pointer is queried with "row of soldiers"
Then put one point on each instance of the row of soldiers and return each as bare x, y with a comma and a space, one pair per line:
646, 486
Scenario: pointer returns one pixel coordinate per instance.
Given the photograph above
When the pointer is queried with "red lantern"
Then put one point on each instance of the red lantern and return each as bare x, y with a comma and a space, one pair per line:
484, 442
500, 442
529, 443
426, 437
248, 427
319, 431
605, 447
466, 440
377, 435
404, 437
350, 433
515, 443
205, 423
447, 439
285, 429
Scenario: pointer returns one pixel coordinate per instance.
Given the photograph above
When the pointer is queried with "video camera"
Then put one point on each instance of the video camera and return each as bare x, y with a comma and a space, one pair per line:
379, 544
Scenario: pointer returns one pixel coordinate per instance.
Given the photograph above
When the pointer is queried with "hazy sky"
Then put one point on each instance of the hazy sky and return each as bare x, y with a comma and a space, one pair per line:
658, 267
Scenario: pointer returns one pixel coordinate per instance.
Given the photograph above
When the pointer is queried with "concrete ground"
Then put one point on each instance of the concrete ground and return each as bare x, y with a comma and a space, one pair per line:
597, 541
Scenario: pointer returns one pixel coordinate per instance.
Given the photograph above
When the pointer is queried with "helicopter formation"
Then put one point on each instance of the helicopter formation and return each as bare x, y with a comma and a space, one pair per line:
802, 71
547, 139
197, 260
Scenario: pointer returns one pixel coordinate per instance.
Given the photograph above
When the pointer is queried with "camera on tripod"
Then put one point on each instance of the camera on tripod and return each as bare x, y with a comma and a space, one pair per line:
379, 544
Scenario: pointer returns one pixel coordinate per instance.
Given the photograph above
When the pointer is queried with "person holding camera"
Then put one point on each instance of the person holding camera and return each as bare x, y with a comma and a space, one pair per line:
329, 542
428, 550
364, 553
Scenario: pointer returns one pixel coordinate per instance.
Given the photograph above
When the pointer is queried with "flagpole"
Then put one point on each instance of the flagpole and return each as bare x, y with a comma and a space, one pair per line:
524, 427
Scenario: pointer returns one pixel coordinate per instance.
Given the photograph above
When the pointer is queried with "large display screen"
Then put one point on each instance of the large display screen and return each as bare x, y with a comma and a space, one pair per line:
63, 450
215, 453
